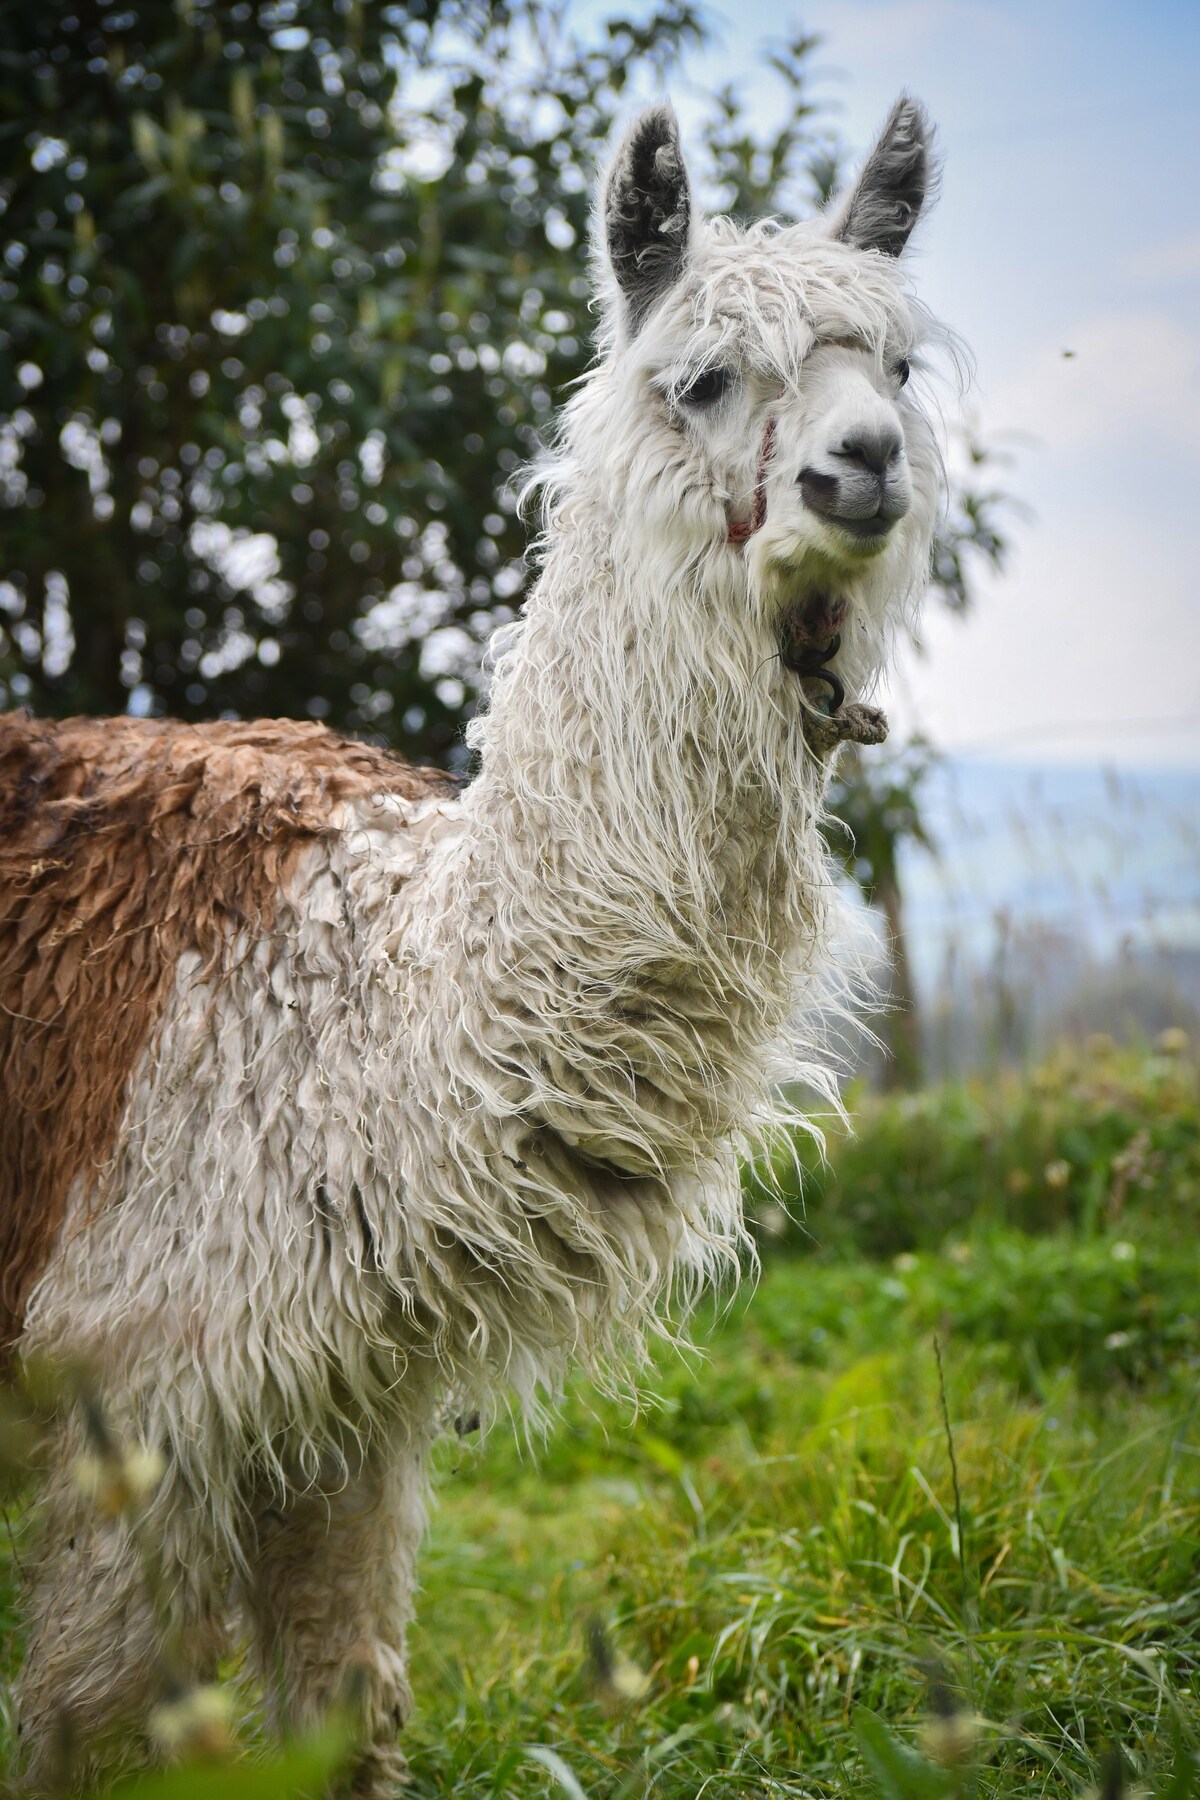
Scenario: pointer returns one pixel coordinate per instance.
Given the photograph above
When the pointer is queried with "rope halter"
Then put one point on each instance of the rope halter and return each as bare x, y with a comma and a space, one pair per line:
742, 530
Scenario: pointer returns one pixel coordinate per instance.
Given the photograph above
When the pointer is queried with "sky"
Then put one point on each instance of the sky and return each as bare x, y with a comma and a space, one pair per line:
1065, 248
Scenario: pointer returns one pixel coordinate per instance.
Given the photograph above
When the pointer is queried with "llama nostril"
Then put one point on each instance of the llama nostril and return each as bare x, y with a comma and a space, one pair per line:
872, 450
820, 491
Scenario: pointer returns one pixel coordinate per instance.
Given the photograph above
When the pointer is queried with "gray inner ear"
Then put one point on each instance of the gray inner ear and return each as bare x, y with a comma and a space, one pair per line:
887, 198
648, 211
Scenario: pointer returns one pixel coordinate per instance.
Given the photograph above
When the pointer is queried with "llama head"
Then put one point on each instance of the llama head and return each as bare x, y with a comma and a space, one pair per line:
750, 427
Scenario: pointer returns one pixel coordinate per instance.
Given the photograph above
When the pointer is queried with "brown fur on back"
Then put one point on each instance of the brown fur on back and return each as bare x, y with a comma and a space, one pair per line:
124, 843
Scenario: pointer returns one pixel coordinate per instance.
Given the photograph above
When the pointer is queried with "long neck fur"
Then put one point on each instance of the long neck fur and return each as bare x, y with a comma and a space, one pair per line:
641, 898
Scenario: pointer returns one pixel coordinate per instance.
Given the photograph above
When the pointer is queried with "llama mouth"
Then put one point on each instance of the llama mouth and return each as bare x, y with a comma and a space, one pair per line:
865, 533
809, 638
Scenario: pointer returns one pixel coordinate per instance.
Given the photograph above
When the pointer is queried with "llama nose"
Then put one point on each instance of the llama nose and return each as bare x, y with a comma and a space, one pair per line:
864, 487
874, 451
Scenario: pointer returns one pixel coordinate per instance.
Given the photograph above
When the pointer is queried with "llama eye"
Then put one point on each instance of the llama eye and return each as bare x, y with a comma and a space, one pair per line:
706, 389
903, 370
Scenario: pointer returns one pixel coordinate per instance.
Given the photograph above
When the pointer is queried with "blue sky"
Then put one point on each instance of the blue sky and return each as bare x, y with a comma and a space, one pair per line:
1069, 220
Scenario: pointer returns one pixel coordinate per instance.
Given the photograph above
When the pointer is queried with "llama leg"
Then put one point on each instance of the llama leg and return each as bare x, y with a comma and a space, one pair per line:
96, 1664
331, 1599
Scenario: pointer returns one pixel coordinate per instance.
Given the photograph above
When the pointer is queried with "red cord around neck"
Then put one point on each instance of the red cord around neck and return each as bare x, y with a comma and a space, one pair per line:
741, 530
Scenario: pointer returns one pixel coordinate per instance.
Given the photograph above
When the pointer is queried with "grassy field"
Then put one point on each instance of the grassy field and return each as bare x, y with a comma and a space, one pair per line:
922, 1516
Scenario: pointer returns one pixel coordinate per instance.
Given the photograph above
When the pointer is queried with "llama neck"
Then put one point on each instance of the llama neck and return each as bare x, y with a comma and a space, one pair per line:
642, 863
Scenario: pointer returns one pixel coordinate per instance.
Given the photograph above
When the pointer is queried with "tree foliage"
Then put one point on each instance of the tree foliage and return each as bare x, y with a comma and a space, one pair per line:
874, 811
289, 292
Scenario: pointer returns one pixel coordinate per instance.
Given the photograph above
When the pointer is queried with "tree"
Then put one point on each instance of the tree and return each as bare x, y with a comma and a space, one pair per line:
277, 335
874, 811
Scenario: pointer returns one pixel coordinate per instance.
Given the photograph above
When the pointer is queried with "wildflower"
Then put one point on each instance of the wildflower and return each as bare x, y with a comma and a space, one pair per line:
1113, 1785
121, 1480
950, 1738
1056, 1174
199, 1722
615, 1679
1174, 1041
1132, 1164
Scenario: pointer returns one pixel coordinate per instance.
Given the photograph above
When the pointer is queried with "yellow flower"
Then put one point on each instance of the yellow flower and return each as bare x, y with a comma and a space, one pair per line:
951, 1738
122, 1482
198, 1723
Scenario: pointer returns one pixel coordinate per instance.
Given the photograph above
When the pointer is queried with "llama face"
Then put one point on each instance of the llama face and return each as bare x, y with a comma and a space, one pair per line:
768, 371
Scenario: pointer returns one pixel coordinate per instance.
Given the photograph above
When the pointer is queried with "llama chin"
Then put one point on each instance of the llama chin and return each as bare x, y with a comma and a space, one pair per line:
339, 1102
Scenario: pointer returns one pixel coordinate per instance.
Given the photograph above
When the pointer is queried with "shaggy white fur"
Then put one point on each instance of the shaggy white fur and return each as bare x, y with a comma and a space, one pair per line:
471, 1107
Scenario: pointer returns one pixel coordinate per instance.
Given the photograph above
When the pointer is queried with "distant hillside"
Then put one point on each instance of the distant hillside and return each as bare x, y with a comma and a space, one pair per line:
1059, 899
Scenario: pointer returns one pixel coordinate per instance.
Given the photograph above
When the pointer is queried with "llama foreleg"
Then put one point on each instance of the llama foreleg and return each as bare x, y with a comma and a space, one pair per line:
331, 1597
98, 1662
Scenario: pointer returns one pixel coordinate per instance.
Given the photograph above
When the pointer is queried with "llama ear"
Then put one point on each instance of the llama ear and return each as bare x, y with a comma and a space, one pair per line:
885, 202
647, 210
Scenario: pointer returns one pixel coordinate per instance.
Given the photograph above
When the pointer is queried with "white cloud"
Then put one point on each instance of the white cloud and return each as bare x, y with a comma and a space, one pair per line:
1111, 376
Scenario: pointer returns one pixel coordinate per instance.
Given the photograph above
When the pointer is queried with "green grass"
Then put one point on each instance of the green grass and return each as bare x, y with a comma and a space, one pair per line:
776, 1544
1078, 1144
772, 1546
774, 1579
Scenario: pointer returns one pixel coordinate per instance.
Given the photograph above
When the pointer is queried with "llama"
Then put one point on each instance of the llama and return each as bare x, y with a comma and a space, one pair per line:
340, 1101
